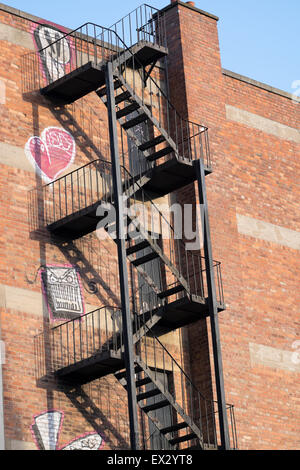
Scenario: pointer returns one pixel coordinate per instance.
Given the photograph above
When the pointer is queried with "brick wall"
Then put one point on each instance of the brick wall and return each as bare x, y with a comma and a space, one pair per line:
256, 162
254, 176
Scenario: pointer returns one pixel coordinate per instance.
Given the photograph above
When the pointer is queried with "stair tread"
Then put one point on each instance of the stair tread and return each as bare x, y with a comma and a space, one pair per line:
112, 226
138, 247
168, 292
141, 382
121, 375
150, 393
161, 153
155, 406
174, 427
103, 91
151, 143
122, 97
135, 121
145, 259
127, 110
186, 437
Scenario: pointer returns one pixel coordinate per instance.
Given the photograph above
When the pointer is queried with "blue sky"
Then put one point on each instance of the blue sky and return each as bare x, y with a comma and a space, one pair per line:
259, 39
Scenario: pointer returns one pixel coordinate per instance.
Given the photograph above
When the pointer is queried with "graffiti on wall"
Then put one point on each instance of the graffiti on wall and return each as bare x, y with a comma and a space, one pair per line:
55, 51
89, 441
51, 153
46, 429
62, 290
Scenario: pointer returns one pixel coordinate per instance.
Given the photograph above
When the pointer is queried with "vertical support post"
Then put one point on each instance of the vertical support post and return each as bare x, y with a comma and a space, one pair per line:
124, 288
212, 302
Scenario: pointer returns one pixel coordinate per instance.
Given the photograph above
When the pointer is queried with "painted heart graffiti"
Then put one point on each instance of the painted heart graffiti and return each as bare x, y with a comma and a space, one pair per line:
51, 153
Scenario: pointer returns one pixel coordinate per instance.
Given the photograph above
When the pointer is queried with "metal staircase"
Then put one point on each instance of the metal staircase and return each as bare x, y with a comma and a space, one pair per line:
175, 142
156, 371
167, 152
71, 210
92, 346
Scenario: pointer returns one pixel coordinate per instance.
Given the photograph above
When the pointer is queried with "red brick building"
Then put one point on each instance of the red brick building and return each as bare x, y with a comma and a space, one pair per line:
61, 380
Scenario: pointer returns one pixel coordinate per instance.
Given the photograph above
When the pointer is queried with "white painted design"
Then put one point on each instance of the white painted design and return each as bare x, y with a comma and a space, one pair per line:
54, 51
88, 442
46, 429
62, 290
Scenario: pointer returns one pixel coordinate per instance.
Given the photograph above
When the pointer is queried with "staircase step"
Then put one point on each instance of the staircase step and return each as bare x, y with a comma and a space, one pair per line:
186, 437
122, 97
138, 247
175, 427
145, 259
103, 91
122, 375
152, 143
156, 406
159, 154
173, 290
135, 121
127, 110
141, 382
150, 393
112, 226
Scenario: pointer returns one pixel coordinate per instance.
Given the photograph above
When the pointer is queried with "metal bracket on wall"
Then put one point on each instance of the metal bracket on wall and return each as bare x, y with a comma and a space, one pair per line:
147, 73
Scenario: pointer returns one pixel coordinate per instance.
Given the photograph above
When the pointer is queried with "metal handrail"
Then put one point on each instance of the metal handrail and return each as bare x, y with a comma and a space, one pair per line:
83, 316
179, 140
136, 20
140, 323
186, 383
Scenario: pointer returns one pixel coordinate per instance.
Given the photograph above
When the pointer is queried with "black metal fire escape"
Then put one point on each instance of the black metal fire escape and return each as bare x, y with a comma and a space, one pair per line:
171, 154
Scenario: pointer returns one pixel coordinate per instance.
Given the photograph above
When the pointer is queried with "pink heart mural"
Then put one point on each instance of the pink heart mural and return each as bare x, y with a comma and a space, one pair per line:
52, 153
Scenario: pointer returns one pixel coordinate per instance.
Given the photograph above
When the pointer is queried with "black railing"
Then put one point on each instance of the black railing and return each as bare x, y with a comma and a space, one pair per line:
79, 339
203, 412
145, 23
188, 139
90, 43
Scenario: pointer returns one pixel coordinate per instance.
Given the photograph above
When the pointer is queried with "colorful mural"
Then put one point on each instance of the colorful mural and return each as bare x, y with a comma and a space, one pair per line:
62, 290
46, 429
51, 153
90, 441
56, 52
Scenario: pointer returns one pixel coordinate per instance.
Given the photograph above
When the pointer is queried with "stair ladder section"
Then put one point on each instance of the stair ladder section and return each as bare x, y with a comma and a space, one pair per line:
175, 142
89, 347
71, 210
172, 143
161, 379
